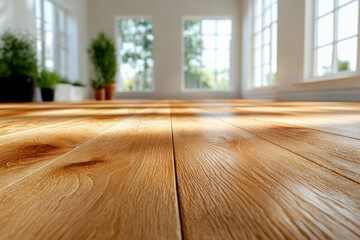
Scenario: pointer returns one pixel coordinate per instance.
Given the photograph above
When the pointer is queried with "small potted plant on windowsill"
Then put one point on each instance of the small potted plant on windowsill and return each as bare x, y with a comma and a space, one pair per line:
63, 89
99, 90
47, 82
103, 56
77, 92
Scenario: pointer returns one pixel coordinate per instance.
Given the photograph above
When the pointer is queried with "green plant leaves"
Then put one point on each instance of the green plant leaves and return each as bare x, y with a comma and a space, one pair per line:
17, 54
103, 56
47, 79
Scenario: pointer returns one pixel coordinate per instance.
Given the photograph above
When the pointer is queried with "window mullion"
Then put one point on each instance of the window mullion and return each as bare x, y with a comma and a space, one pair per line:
335, 38
56, 40
43, 33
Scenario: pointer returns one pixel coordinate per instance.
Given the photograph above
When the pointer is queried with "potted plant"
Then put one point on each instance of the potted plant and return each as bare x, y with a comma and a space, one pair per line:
4, 83
99, 90
103, 56
47, 82
18, 65
63, 89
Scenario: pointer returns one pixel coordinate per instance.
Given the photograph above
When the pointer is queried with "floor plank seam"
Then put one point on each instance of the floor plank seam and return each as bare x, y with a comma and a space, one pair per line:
309, 160
176, 178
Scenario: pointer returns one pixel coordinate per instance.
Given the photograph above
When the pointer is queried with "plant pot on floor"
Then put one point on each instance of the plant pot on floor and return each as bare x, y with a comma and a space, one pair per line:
110, 91
47, 95
22, 88
99, 94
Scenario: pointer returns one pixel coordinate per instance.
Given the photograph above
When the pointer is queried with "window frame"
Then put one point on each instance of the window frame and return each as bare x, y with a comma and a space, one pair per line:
310, 74
183, 80
116, 35
57, 45
251, 81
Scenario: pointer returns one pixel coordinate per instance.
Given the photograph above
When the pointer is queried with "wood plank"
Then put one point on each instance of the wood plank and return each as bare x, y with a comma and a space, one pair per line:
23, 153
235, 185
53, 115
119, 185
336, 153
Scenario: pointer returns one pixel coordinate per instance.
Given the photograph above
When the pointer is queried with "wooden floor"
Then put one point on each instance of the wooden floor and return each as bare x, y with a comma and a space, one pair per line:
221, 169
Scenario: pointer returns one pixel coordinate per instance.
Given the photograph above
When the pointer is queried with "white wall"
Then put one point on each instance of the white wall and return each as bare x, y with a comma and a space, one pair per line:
20, 14
291, 83
167, 28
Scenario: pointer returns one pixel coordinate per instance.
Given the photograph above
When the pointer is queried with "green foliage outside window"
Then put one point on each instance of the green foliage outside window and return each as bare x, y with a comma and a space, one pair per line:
136, 54
197, 74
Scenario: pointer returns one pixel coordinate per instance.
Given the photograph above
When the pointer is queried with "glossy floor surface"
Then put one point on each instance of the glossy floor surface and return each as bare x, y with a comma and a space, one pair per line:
173, 169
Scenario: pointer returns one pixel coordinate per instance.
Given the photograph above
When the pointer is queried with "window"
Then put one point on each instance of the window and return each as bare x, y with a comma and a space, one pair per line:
264, 67
335, 36
207, 45
51, 25
135, 56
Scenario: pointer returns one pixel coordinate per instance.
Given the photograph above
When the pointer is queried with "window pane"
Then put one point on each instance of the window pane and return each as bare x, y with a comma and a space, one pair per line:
209, 59
207, 55
193, 42
208, 27
348, 20
267, 3
325, 30
223, 42
258, 8
347, 51
192, 27
266, 36
324, 61
265, 46
49, 12
266, 56
274, 48
257, 77
274, 12
208, 79
224, 27
39, 52
324, 6
342, 2
209, 42
266, 75
38, 9
192, 78
258, 24
223, 60
135, 55
257, 41
62, 21
267, 18
257, 58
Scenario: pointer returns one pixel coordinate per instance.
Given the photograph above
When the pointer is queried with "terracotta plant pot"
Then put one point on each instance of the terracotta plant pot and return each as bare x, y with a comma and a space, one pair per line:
110, 91
99, 94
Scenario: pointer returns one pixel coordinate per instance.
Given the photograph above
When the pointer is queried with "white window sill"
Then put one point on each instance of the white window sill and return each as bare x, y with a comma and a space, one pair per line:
205, 91
324, 79
261, 89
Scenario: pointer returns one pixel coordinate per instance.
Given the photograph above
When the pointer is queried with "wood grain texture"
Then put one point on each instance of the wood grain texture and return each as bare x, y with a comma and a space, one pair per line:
235, 185
118, 185
244, 169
